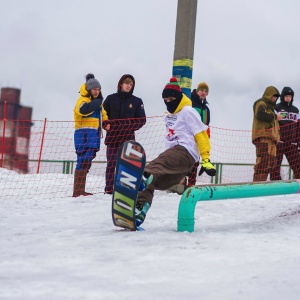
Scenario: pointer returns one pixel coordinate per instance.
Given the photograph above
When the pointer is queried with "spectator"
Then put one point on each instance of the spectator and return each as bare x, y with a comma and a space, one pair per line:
265, 133
88, 113
126, 114
200, 103
289, 134
186, 137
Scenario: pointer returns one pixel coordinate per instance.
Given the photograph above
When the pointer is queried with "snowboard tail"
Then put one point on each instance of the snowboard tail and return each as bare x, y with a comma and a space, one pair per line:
130, 164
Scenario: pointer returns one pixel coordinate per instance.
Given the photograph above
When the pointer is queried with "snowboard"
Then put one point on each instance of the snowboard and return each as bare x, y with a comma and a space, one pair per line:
130, 164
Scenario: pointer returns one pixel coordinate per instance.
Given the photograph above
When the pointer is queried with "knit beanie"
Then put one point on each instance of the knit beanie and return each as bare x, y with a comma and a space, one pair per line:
172, 89
202, 86
92, 82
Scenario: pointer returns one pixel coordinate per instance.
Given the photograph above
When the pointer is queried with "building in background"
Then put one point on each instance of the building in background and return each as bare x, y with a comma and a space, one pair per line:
15, 124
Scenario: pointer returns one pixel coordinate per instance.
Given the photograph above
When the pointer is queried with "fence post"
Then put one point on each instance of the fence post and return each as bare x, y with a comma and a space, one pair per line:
41, 148
3, 134
67, 166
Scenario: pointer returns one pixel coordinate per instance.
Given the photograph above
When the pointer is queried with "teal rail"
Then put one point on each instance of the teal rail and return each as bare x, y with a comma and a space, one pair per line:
195, 194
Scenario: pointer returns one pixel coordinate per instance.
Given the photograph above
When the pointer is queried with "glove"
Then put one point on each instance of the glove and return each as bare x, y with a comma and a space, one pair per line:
207, 167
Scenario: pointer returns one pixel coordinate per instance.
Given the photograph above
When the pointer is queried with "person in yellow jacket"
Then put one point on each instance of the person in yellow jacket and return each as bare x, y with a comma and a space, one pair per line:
186, 140
88, 117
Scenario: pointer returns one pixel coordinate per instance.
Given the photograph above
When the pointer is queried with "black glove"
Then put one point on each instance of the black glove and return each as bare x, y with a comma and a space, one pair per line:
207, 167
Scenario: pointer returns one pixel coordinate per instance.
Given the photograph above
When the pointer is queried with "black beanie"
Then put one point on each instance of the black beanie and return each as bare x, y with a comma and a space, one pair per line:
172, 89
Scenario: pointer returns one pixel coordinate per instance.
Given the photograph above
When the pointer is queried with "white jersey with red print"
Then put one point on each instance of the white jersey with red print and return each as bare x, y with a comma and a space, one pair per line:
181, 129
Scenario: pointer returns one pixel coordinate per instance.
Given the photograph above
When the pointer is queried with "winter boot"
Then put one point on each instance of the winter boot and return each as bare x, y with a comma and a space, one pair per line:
79, 183
260, 177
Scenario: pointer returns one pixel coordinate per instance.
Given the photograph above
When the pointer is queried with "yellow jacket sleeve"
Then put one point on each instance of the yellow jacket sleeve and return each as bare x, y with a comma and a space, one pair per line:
203, 144
104, 114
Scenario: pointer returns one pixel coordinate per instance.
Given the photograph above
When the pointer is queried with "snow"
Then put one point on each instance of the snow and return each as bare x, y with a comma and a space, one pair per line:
68, 248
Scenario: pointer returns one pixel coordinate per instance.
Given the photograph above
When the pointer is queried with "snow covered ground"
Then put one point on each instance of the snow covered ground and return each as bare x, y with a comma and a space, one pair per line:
68, 248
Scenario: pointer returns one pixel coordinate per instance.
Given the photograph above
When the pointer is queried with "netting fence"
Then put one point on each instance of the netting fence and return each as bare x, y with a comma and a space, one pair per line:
46, 160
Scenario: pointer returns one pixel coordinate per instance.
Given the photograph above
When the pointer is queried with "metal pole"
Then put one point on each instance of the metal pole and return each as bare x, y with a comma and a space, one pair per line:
184, 44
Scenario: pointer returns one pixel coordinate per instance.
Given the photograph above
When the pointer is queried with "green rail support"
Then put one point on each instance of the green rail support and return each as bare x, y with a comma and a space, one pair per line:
192, 195
68, 166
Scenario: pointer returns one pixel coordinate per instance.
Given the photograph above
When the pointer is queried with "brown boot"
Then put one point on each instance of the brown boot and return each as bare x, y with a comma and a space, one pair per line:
79, 183
260, 177
83, 183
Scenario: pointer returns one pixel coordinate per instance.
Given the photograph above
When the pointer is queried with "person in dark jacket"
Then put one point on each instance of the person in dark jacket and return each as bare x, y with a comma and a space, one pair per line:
200, 103
265, 133
126, 114
289, 134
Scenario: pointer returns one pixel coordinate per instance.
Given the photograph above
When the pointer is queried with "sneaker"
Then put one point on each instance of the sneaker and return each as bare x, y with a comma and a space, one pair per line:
141, 210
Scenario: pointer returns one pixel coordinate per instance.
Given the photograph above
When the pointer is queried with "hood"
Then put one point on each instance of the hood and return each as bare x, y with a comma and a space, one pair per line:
270, 92
83, 92
194, 92
121, 80
185, 101
286, 91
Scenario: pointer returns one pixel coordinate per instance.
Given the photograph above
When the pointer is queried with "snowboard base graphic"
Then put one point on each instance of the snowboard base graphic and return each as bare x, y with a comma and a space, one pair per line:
130, 164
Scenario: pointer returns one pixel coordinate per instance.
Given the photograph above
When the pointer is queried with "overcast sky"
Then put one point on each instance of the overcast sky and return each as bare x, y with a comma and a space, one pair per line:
241, 47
